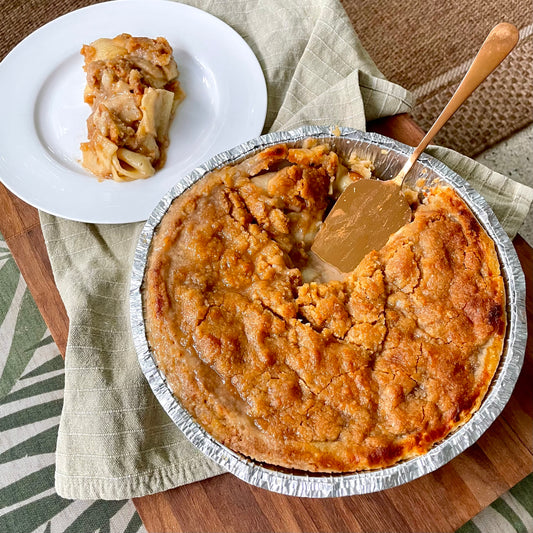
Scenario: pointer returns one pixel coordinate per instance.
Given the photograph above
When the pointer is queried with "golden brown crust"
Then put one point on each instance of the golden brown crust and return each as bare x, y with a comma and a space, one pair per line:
334, 376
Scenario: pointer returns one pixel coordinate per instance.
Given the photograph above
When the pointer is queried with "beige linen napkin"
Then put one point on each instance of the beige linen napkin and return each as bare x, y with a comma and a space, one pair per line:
114, 440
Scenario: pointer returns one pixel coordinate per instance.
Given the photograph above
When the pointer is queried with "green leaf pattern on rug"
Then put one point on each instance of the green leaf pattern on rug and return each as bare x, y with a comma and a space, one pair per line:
31, 399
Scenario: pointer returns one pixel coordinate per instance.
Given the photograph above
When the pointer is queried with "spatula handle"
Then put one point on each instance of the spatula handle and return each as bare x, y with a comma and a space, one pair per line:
498, 44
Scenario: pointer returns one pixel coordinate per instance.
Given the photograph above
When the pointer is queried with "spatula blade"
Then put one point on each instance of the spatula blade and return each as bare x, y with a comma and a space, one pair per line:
366, 214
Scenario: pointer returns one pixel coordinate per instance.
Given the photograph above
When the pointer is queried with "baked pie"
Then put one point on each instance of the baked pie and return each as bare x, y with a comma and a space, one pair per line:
290, 365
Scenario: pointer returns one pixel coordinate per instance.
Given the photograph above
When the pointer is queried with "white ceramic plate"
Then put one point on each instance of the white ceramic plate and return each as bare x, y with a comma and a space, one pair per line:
44, 116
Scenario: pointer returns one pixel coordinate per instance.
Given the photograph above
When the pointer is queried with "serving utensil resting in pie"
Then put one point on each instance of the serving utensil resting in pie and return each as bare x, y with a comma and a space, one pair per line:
369, 211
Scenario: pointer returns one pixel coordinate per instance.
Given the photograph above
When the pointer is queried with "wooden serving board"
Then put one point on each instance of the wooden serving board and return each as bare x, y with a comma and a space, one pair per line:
438, 502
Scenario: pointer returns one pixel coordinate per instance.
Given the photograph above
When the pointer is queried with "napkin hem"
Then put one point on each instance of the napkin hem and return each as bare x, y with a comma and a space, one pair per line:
84, 487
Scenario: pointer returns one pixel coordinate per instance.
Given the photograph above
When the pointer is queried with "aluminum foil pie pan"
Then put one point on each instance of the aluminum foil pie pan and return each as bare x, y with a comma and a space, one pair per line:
388, 156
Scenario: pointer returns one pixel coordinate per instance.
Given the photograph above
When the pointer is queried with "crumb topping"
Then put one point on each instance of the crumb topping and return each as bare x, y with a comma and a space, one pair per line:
330, 375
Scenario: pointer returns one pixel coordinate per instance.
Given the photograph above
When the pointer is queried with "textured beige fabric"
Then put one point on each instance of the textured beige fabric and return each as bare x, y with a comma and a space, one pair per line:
114, 440
427, 48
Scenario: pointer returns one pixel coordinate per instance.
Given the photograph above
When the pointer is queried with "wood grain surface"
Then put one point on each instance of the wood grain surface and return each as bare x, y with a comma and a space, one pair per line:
438, 502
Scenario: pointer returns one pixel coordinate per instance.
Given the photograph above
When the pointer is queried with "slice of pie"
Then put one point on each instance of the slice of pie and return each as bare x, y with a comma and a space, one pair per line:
133, 90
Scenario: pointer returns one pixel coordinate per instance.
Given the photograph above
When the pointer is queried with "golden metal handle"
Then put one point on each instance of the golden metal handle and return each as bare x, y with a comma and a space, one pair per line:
497, 46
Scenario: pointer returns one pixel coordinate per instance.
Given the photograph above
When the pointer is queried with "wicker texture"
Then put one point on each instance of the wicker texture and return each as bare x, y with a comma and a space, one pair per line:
427, 47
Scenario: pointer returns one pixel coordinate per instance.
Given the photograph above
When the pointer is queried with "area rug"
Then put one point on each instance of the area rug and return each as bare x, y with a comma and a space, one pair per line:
427, 47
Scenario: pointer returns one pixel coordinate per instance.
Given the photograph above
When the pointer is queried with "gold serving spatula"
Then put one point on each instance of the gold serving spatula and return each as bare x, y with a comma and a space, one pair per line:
369, 211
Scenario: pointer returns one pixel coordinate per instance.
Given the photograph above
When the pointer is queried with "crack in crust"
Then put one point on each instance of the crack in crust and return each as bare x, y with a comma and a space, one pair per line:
327, 375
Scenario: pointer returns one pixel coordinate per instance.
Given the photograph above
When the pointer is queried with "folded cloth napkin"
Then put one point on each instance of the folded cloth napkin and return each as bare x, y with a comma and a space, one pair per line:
114, 440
